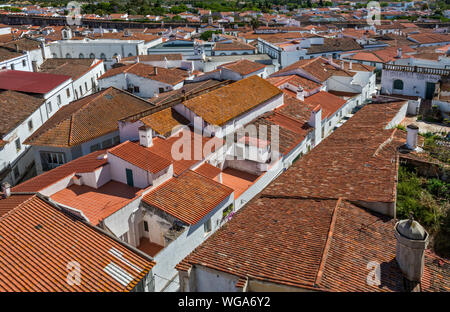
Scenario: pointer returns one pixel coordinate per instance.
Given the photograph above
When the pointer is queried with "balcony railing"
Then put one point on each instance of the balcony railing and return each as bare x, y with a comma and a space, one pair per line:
417, 69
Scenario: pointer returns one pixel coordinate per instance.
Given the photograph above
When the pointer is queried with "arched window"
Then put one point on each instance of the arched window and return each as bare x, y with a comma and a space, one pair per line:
81, 55
398, 84
54, 55
92, 56
130, 54
103, 56
68, 55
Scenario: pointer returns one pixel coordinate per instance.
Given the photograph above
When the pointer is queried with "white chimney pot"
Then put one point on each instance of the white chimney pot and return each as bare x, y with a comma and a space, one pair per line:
412, 136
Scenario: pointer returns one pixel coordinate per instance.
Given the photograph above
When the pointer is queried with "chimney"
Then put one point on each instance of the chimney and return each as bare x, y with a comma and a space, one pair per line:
315, 121
412, 240
6, 190
16, 47
300, 94
399, 53
156, 70
411, 139
350, 65
145, 136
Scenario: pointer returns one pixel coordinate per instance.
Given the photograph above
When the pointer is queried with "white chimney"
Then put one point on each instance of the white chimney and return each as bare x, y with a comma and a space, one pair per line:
399, 53
6, 190
412, 136
315, 121
300, 94
412, 240
350, 65
145, 136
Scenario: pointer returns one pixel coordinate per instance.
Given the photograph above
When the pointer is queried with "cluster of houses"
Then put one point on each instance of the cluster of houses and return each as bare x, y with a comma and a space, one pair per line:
124, 154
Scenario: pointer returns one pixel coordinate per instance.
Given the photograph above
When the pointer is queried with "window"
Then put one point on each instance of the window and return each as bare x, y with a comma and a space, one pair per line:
161, 90
58, 99
18, 145
81, 90
145, 226
51, 160
85, 86
103, 56
12, 66
116, 140
68, 92
398, 84
30, 124
16, 172
107, 143
81, 55
92, 56
24, 63
136, 89
207, 227
49, 107
76, 94
95, 147
68, 55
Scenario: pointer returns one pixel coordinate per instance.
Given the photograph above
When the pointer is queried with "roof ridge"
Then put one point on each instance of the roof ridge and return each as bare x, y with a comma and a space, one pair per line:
326, 248
15, 208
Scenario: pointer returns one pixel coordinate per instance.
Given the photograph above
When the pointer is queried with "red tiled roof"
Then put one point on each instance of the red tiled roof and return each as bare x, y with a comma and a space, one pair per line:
85, 163
243, 67
38, 242
222, 105
311, 244
140, 156
208, 171
188, 197
294, 80
30, 82
87, 118
170, 76
330, 103
186, 138
97, 204
357, 162
7, 204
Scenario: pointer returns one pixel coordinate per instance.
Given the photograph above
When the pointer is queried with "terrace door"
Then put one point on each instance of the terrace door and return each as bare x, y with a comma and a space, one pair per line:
130, 181
429, 91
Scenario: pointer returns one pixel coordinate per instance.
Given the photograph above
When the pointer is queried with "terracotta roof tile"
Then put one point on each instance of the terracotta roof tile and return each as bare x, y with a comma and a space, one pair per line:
222, 105
30, 82
171, 76
164, 121
140, 156
88, 118
208, 171
188, 197
15, 108
83, 164
243, 67
38, 242
330, 103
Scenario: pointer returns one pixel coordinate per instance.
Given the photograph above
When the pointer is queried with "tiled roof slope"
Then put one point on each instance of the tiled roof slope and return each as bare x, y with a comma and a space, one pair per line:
235, 45
318, 67
222, 105
140, 156
313, 244
334, 44
164, 121
6, 54
38, 242
357, 162
15, 108
330, 103
7, 204
83, 164
171, 76
290, 131
189, 197
243, 67
62, 66
88, 118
